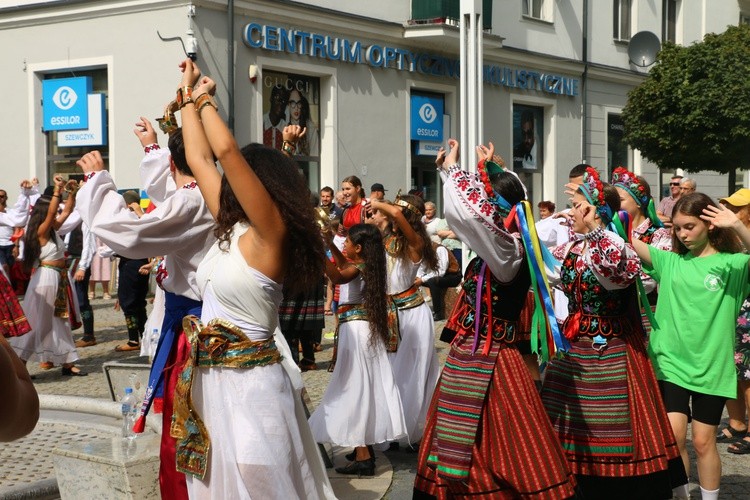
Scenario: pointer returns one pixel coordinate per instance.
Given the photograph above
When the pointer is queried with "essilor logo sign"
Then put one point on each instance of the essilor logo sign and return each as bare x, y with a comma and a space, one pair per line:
65, 98
427, 113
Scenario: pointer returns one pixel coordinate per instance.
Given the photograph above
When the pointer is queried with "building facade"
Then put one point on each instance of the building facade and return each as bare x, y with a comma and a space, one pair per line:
375, 83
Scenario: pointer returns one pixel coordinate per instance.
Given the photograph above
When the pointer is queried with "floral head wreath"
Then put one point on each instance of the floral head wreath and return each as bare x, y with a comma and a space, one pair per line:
593, 189
408, 206
624, 179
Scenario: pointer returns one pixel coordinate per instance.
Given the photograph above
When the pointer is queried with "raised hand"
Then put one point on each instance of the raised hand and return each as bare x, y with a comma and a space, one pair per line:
293, 133
59, 182
720, 216
145, 132
190, 73
452, 157
91, 162
205, 86
485, 153
440, 159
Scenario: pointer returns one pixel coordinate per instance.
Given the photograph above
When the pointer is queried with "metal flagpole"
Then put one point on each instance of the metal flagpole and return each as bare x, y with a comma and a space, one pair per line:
470, 88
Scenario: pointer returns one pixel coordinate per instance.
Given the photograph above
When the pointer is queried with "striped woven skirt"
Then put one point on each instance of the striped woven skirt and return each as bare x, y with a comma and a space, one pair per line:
606, 409
513, 435
13, 321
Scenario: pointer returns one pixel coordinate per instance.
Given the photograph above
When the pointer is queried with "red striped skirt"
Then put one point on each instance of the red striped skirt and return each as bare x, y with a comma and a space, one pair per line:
586, 399
13, 321
514, 433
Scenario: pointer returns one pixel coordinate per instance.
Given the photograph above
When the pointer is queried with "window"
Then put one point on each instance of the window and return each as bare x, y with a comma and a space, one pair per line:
532, 8
669, 29
62, 159
617, 149
528, 147
621, 19
744, 18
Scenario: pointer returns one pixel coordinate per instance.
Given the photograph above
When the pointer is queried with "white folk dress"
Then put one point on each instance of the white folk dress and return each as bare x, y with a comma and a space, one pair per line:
415, 364
261, 445
50, 338
361, 404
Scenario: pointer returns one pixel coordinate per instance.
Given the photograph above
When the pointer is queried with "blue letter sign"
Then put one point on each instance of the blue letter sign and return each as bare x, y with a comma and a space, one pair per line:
65, 103
426, 118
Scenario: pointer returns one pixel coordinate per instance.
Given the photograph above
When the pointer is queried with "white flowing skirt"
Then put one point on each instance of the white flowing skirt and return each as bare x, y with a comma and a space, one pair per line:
50, 338
415, 366
257, 448
361, 404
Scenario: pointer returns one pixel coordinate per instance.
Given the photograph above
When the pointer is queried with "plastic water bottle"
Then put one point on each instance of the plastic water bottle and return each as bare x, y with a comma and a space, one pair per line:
153, 342
129, 410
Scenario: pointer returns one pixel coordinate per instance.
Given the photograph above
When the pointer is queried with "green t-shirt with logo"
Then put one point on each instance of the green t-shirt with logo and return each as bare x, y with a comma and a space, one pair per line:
699, 300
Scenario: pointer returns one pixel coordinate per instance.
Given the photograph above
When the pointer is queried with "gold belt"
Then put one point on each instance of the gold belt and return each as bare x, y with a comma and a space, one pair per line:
408, 299
219, 343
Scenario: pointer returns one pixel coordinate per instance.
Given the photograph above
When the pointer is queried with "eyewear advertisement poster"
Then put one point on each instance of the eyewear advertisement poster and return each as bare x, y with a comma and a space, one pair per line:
528, 129
291, 99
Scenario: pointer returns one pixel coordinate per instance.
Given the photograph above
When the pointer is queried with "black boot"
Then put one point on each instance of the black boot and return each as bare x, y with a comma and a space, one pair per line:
360, 468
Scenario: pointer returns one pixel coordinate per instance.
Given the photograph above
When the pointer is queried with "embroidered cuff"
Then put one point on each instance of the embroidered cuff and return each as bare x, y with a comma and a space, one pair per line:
151, 147
596, 234
89, 176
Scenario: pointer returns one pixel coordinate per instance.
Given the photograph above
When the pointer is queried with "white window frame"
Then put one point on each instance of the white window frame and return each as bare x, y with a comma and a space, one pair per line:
617, 8
677, 19
544, 8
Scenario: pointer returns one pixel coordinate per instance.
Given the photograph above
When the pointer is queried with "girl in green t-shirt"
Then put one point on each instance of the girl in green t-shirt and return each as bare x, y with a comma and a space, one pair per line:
702, 285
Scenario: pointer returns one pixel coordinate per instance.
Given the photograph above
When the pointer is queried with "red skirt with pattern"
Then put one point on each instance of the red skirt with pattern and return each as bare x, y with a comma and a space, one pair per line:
13, 321
514, 433
609, 416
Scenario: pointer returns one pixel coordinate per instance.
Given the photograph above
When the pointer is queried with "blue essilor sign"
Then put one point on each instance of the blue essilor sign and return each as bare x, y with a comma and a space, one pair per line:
65, 103
426, 118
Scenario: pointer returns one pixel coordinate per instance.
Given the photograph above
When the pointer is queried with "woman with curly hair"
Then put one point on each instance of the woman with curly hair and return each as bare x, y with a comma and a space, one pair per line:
602, 395
703, 283
415, 364
238, 428
361, 406
48, 303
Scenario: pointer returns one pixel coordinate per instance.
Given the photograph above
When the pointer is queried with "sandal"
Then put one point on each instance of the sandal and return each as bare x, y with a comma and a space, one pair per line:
741, 447
128, 347
734, 435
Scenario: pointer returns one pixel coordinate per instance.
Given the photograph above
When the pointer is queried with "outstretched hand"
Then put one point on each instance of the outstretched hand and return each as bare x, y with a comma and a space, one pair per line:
91, 162
449, 159
720, 216
485, 153
204, 86
190, 73
293, 133
145, 132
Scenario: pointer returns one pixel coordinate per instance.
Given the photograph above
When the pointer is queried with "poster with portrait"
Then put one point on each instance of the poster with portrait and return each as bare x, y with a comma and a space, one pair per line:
528, 131
291, 99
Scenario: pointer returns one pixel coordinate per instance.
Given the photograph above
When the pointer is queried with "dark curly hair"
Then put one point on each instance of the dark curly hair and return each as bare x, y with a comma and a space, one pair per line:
722, 239
288, 190
32, 247
429, 256
374, 274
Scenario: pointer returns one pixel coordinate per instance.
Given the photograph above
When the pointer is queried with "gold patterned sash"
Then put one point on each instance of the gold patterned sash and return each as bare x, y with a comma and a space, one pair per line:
61, 296
408, 299
219, 343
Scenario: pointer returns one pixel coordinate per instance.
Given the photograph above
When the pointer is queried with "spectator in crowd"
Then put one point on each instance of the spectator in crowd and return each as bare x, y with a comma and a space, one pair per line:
328, 203
355, 211
10, 219
377, 191
101, 272
546, 209
664, 209
687, 186
447, 275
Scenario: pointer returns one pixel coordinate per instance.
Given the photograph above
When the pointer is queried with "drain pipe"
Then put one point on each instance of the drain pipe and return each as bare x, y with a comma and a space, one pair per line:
584, 82
230, 65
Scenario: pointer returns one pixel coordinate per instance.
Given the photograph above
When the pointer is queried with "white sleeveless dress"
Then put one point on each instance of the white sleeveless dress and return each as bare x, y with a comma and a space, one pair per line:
415, 364
361, 404
50, 338
261, 445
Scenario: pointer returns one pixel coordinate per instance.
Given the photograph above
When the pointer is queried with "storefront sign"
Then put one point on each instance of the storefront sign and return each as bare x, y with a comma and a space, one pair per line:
293, 41
426, 118
95, 134
431, 148
64, 103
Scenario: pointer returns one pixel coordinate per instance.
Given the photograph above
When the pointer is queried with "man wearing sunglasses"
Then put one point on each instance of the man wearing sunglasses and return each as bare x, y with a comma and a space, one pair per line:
664, 210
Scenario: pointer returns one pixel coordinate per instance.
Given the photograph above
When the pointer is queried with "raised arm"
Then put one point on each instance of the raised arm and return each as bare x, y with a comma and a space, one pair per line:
247, 187
49, 219
641, 249
416, 243
71, 188
198, 150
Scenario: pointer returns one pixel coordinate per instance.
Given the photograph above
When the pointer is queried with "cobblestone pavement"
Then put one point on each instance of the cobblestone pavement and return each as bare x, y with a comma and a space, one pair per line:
110, 331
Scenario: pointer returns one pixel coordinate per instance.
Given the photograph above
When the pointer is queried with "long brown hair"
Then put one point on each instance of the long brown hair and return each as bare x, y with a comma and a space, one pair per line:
288, 190
722, 239
32, 247
415, 221
374, 274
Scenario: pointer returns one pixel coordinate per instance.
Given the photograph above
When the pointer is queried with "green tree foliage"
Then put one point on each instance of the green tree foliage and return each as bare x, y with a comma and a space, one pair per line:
693, 109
